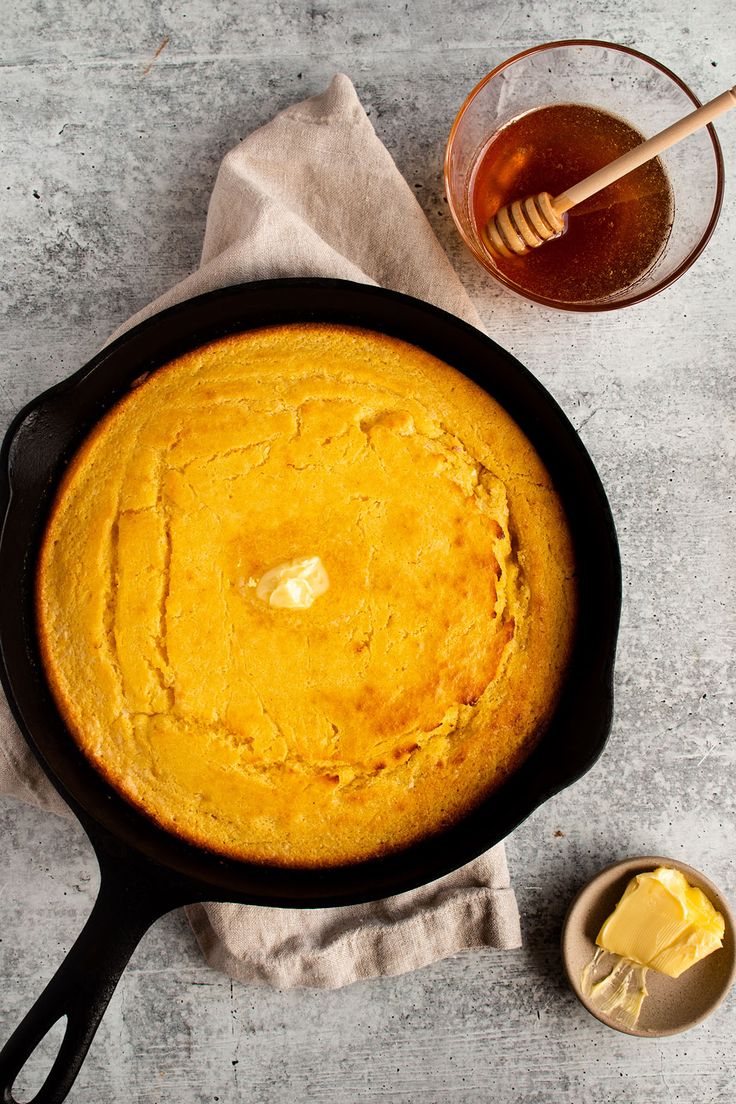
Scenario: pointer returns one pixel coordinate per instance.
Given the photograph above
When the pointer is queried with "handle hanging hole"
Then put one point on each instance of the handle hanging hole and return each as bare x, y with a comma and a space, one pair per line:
32, 1077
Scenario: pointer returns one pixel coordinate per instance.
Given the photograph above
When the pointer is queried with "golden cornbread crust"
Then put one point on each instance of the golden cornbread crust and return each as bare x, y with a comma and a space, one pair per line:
404, 694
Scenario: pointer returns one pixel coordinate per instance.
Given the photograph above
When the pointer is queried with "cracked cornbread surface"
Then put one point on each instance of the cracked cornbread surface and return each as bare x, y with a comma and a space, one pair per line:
404, 693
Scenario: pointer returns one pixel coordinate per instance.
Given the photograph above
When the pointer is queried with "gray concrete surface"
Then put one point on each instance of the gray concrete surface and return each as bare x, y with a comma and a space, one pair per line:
108, 157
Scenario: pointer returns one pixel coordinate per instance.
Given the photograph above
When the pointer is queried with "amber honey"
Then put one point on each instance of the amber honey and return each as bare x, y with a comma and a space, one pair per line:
612, 239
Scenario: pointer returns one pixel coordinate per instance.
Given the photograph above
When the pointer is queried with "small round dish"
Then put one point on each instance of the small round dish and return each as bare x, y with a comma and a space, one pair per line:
673, 1004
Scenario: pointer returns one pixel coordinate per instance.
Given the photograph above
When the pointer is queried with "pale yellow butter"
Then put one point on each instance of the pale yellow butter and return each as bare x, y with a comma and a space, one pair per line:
620, 992
663, 922
294, 584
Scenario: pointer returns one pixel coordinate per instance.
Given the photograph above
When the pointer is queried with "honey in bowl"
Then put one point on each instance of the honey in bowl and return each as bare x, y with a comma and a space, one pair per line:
612, 239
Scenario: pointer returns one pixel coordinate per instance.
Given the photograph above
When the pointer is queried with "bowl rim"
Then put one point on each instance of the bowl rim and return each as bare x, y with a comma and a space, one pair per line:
596, 306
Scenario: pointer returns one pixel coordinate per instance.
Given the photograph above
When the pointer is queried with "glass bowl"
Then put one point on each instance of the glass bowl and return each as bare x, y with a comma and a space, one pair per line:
622, 82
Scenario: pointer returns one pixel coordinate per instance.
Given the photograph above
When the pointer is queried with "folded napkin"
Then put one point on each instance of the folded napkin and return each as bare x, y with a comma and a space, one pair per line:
315, 193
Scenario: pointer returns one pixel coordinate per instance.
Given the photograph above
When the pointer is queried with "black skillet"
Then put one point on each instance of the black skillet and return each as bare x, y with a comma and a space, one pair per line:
145, 871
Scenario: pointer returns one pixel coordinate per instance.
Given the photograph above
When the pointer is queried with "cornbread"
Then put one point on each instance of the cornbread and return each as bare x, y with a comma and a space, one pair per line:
441, 609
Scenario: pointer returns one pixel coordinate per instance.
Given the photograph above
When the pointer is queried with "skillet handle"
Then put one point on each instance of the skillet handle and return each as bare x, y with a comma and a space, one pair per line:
81, 988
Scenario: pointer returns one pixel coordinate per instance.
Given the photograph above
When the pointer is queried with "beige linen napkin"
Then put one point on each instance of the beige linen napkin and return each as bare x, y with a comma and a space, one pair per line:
315, 193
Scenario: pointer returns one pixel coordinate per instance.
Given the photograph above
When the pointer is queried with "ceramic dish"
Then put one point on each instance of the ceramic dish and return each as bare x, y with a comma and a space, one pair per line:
673, 1004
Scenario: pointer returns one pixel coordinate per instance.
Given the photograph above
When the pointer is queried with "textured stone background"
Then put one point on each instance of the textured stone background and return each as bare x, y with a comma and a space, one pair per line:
108, 158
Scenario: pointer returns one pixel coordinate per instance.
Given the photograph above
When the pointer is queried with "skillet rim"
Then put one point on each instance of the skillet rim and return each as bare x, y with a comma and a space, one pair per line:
108, 819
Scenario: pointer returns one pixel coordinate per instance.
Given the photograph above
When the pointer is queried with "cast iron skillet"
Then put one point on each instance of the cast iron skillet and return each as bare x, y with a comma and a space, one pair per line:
145, 871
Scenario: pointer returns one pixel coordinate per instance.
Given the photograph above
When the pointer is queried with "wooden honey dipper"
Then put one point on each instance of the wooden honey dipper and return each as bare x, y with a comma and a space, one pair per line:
527, 223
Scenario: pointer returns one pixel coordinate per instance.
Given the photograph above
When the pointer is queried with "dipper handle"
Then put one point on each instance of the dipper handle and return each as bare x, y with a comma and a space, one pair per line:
627, 162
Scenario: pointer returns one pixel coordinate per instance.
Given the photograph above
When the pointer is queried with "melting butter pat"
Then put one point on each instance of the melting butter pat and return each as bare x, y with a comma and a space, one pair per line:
295, 584
663, 922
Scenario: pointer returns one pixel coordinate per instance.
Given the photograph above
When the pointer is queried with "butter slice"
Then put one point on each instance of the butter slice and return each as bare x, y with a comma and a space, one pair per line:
621, 992
663, 922
295, 584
